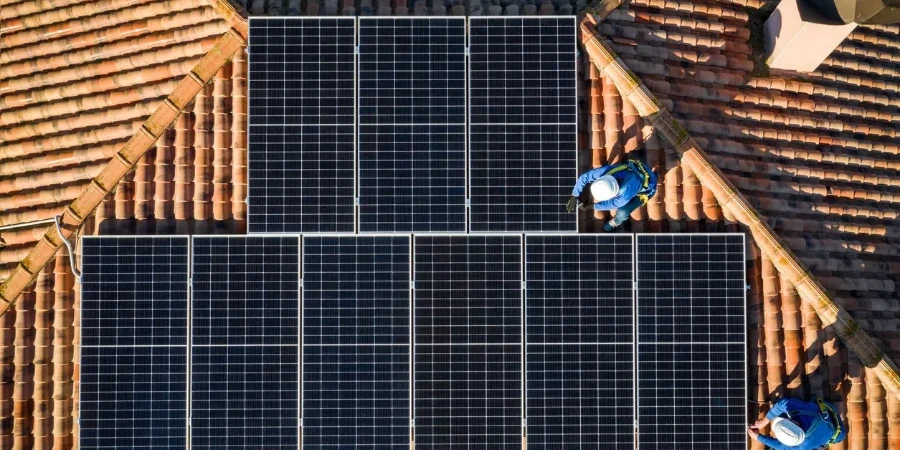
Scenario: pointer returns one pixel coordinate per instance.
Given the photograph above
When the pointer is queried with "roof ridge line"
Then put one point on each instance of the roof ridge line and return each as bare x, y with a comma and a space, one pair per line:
729, 197
74, 215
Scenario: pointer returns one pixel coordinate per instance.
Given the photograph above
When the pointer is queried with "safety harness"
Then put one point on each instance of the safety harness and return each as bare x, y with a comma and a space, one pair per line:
635, 166
827, 414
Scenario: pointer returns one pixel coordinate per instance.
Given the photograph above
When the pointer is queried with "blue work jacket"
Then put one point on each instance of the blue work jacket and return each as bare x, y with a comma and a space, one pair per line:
630, 182
807, 415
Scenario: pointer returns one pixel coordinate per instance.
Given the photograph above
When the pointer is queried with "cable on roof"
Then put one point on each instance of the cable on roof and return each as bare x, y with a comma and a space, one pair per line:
68, 244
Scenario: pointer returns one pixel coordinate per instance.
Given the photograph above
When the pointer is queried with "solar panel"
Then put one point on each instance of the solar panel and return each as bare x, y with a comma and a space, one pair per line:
302, 125
134, 342
356, 336
579, 375
468, 347
412, 124
245, 342
691, 342
522, 135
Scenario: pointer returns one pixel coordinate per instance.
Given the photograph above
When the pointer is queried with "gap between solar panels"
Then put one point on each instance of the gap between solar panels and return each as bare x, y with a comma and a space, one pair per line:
425, 124
449, 341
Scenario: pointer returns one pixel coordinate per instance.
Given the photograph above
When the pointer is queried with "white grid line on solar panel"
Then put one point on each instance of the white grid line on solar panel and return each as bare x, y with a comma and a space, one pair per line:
244, 395
468, 398
579, 289
323, 66
134, 291
356, 290
245, 290
133, 397
580, 396
356, 396
468, 289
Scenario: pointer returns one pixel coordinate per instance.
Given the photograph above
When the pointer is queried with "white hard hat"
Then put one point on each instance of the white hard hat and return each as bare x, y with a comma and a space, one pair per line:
787, 432
605, 188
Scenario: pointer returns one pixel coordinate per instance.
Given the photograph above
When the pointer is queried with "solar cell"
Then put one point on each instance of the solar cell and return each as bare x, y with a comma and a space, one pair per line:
522, 113
412, 124
356, 336
301, 134
134, 342
579, 375
468, 347
691, 342
245, 342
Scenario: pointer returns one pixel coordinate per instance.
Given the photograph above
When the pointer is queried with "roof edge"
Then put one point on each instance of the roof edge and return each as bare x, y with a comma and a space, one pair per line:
729, 197
80, 209
233, 13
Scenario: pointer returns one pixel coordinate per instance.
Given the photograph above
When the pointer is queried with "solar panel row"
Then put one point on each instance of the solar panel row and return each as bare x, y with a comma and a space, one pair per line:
467, 335
422, 154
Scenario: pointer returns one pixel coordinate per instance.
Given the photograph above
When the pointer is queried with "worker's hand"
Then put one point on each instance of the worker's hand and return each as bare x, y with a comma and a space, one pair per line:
753, 432
759, 424
585, 206
573, 202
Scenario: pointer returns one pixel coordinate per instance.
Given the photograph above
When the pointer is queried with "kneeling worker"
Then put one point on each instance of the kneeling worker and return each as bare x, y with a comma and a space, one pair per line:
623, 187
799, 425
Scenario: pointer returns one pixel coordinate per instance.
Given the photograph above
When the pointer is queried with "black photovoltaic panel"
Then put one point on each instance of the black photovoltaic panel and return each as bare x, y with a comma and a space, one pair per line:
246, 290
134, 291
691, 342
579, 301
356, 396
134, 342
580, 396
244, 397
133, 397
356, 336
356, 290
468, 348
691, 288
301, 130
245, 342
522, 137
579, 289
412, 134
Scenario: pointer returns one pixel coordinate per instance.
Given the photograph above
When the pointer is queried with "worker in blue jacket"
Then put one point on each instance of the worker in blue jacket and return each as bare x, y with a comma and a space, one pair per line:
799, 425
623, 187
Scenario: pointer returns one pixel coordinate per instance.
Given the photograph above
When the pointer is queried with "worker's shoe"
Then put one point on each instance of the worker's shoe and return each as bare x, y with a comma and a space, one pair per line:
609, 226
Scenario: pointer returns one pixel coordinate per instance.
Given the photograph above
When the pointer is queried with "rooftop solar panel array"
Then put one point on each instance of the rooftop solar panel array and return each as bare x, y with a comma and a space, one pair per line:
356, 342
579, 301
468, 348
522, 114
245, 342
691, 342
301, 130
412, 124
134, 342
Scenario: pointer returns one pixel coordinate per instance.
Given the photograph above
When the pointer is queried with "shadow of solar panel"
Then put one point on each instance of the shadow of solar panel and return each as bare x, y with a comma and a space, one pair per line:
691, 341
134, 342
301, 125
522, 134
412, 134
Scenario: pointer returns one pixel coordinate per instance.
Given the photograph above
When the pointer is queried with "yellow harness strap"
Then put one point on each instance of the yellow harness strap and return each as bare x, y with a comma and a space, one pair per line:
826, 411
639, 168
